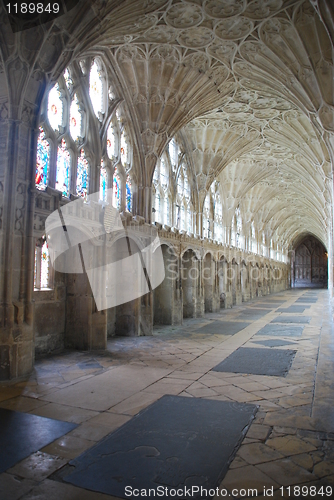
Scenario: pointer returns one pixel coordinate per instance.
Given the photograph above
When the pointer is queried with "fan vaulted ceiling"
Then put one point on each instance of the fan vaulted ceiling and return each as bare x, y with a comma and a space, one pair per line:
249, 87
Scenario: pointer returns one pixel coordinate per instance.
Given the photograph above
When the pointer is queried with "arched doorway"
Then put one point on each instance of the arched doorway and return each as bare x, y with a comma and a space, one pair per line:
310, 264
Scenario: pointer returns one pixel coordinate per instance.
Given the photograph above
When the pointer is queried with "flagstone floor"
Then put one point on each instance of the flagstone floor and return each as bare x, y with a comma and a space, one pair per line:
290, 442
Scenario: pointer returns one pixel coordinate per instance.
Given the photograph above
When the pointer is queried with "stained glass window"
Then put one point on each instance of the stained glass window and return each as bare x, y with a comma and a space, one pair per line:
163, 173
103, 182
82, 175
189, 224
45, 262
42, 266
157, 207
124, 149
63, 169
42, 160
96, 89
75, 119
186, 187
207, 203
156, 174
111, 142
55, 108
166, 210
173, 150
35, 270
183, 217
116, 191
68, 79
128, 194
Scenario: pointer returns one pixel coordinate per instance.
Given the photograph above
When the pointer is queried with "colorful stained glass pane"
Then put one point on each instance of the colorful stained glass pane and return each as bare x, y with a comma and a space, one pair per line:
96, 89
63, 169
128, 194
103, 182
82, 175
110, 142
75, 119
45, 266
42, 161
55, 108
116, 191
124, 149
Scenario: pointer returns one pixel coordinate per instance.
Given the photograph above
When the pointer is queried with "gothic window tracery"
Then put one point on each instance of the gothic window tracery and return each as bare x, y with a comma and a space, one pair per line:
128, 194
206, 216
63, 169
82, 175
103, 182
42, 265
161, 185
111, 142
116, 190
68, 80
124, 149
55, 108
96, 89
75, 119
42, 160
173, 150
218, 219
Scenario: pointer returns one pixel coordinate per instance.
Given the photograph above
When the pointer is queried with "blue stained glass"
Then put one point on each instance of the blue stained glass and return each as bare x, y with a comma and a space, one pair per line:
42, 161
116, 192
63, 169
82, 175
128, 194
103, 183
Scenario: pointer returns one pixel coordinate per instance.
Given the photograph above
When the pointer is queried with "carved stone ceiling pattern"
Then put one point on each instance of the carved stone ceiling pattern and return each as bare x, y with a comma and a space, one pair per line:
249, 83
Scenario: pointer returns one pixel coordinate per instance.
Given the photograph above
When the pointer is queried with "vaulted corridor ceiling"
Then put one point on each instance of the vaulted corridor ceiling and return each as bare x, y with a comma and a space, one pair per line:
249, 85
246, 84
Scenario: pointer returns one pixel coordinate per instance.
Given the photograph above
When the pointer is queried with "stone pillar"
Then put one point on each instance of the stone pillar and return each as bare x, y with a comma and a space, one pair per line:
17, 138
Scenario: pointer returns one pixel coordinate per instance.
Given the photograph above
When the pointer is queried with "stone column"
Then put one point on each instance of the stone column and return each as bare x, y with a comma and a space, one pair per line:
17, 138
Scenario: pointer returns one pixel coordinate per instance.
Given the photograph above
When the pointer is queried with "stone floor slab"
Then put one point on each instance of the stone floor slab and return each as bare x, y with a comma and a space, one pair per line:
223, 327
258, 361
272, 342
22, 434
291, 319
189, 442
281, 330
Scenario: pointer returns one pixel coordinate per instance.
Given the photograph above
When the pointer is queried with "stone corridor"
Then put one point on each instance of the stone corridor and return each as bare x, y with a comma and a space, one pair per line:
290, 441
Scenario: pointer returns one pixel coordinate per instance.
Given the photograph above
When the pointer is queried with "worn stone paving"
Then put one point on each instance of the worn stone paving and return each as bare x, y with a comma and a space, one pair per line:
290, 442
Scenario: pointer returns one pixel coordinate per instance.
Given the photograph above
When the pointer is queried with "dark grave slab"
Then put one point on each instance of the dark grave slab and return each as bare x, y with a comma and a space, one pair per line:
89, 365
251, 315
291, 319
308, 300
272, 342
269, 306
176, 442
22, 434
223, 327
257, 361
293, 309
281, 330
